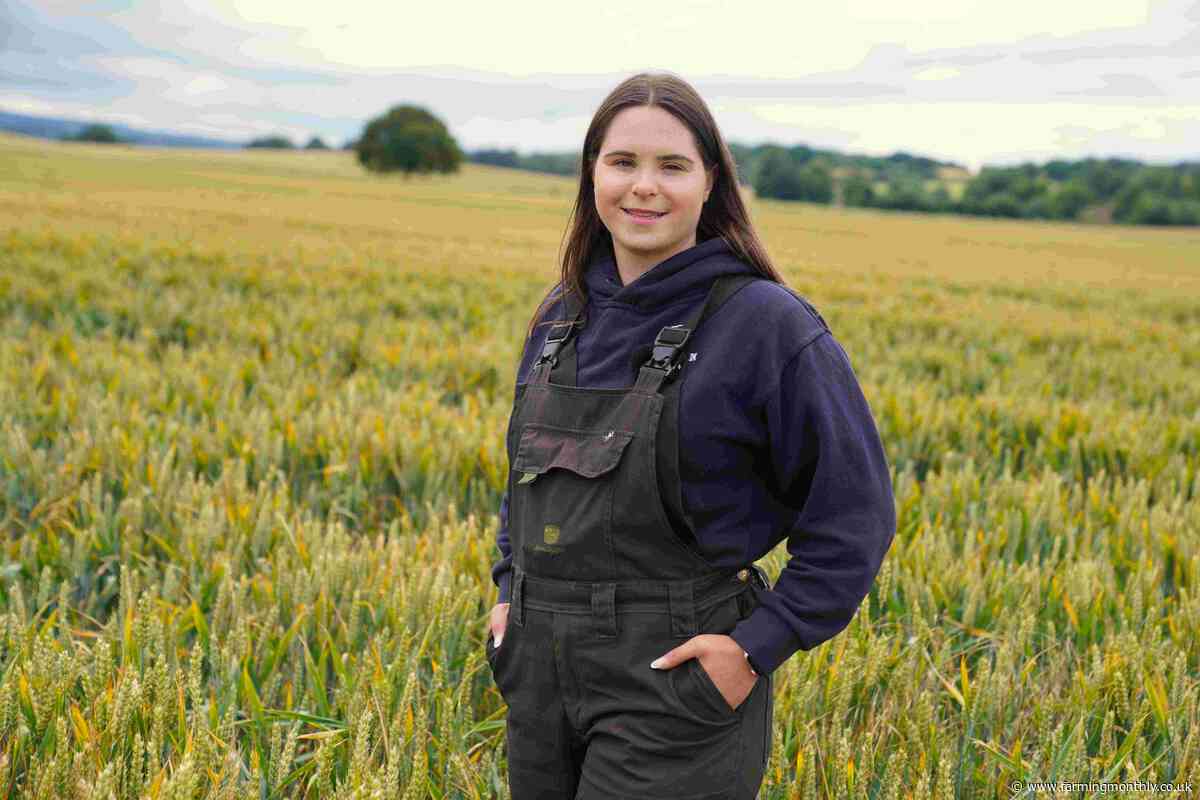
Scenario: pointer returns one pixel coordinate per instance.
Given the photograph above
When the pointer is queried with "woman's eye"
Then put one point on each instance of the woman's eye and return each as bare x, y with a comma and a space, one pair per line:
623, 161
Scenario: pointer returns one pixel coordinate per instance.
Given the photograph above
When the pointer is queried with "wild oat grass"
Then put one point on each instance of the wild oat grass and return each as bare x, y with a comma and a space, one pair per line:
251, 449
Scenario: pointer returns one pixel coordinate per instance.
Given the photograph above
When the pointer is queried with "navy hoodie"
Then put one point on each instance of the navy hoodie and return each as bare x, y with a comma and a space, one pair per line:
777, 441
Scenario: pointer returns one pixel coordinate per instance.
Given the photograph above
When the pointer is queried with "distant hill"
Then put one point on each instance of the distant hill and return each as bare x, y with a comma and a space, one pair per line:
56, 128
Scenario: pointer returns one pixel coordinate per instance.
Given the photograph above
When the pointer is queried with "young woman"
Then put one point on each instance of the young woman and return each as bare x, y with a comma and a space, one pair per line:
679, 414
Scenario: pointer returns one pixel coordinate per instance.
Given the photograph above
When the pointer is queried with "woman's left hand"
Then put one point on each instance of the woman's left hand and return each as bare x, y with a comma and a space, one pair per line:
722, 658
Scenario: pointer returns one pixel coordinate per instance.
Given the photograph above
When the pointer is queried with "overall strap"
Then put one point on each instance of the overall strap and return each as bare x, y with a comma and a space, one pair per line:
809, 306
566, 368
664, 361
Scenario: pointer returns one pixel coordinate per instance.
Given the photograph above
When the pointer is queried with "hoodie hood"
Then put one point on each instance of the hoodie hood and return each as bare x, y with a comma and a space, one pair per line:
622, 321
686, 273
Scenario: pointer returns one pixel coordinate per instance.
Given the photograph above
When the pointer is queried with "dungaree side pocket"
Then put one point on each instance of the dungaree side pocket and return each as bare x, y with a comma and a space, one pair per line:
489, 647
497, 657
720, 618
562, 498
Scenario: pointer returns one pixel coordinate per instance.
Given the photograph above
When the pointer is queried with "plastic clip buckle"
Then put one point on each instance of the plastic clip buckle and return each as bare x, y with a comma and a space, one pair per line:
666, 345
554, 339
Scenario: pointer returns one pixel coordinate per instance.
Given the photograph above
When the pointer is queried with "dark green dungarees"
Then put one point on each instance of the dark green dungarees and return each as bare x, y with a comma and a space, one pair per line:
602, 585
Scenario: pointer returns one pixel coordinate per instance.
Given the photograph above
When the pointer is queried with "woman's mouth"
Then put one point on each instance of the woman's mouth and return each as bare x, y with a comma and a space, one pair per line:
644, 217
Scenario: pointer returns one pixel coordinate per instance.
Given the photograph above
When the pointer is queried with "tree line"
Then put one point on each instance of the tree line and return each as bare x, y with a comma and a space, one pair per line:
1097, 190
409, 139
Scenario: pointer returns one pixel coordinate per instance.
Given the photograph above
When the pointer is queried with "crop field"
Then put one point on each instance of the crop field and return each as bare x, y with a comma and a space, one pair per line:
252, 419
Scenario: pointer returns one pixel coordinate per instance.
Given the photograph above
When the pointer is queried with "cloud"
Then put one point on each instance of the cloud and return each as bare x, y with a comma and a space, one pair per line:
970, 81
1130, 86
940, 72
1008, 134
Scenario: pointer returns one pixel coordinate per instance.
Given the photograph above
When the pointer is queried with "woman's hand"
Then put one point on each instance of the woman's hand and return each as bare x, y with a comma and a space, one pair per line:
722, 658
498, 621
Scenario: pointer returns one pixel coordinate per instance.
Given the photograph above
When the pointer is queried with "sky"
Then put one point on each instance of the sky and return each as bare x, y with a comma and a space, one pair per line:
969, 81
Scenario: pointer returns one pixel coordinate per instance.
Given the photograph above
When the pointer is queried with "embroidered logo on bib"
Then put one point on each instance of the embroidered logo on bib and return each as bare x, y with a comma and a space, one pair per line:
550, 534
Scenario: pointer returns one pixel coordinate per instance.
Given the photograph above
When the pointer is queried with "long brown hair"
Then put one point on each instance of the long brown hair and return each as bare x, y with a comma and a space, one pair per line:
723, 214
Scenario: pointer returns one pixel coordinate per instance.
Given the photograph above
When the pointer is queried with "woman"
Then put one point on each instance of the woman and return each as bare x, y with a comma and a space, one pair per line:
680, 414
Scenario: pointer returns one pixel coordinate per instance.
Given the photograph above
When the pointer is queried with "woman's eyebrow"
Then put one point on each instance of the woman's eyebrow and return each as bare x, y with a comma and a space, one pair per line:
670, 157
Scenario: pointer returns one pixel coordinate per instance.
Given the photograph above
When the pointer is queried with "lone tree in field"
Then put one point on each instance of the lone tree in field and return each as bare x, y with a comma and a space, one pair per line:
408, 139
95, 133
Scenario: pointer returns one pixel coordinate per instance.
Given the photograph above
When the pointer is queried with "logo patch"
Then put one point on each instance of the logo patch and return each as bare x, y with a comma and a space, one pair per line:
550, 534
692, 356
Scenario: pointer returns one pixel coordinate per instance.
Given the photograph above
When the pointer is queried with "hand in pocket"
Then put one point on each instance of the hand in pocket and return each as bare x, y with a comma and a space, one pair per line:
498, 622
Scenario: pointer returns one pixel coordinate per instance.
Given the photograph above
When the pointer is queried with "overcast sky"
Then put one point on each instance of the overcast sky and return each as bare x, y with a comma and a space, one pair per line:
971, 81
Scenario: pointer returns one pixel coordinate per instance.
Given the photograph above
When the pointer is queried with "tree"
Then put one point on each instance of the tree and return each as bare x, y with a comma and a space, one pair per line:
1104, 178
315, 143
1002, 204
801, 154
777, 176
904, 194
989, 182
857, 191
496, 158
95, 133
816, 183
273, 143
940, 200
1060, 170
408, 139
1068, 201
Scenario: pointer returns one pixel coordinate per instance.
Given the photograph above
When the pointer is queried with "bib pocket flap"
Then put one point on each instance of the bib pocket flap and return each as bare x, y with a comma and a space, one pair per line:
588, 453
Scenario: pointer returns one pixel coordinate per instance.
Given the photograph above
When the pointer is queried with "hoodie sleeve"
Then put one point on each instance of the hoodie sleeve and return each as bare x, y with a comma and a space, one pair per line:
502, 569
829, 461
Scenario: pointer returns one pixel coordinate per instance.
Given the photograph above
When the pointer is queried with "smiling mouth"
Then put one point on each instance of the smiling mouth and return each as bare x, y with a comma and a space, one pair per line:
645, 215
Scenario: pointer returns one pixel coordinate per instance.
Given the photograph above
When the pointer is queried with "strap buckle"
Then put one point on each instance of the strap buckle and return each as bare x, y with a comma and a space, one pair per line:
554, 339
666, 347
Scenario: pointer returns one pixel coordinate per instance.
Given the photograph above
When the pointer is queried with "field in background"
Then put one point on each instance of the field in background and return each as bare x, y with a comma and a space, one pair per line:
252, 420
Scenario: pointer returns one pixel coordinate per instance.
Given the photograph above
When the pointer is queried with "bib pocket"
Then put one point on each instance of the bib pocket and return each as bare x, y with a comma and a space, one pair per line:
588, 454
562, 494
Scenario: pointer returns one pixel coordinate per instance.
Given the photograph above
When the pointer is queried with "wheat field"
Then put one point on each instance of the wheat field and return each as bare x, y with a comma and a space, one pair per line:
252, 416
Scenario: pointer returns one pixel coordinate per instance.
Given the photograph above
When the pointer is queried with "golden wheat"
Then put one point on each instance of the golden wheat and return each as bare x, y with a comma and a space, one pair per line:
251, 450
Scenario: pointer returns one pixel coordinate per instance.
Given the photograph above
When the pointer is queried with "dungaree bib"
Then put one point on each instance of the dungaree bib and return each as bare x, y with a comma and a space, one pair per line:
602, 584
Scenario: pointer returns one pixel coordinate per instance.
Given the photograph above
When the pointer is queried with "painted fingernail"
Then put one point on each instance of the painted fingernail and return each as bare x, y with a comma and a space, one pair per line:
498, 641
655, 663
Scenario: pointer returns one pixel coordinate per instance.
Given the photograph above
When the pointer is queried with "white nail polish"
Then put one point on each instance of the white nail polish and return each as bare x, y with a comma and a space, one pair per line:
498, 641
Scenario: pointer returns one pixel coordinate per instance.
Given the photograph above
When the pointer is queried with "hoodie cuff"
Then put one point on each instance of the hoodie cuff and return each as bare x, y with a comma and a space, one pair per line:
767, 640
505, 585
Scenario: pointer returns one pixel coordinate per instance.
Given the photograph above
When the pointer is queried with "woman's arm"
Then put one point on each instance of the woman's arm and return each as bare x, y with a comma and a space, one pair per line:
829, 461
502, 569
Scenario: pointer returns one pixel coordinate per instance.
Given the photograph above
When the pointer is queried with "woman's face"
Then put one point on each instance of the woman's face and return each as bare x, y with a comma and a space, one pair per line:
648, 160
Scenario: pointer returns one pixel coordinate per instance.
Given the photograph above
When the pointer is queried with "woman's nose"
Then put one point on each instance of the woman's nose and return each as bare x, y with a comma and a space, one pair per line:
644, 185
